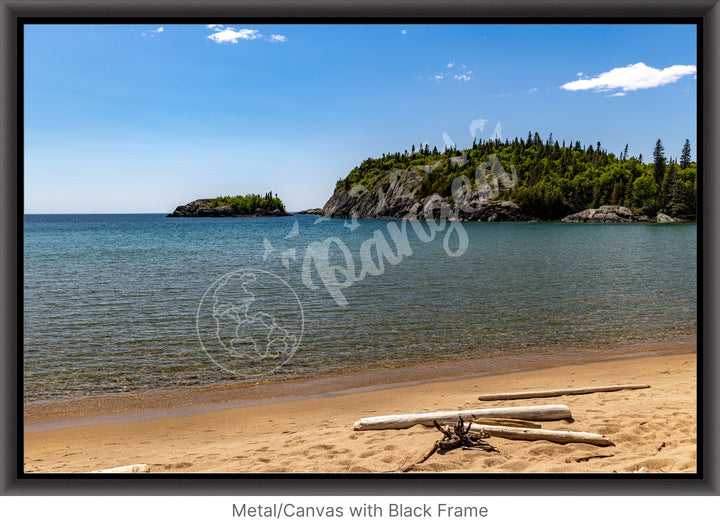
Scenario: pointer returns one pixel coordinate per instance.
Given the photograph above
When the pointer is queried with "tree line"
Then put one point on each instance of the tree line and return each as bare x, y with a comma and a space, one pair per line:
249, 203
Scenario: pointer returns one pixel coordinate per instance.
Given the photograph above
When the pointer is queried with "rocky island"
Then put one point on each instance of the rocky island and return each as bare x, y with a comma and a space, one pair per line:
522, 180
251, 205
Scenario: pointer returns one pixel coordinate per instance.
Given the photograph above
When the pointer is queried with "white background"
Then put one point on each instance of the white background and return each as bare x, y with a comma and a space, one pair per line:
538, 513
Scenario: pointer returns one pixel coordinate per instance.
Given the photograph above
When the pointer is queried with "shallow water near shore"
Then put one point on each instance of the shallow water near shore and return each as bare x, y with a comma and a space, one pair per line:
134, 303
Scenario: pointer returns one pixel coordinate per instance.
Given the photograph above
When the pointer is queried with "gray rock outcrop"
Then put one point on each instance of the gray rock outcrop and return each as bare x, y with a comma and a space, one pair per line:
615, 214
603, 214
397, 196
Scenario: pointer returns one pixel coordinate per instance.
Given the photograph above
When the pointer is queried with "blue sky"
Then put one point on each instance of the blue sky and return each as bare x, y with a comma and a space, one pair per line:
142, 118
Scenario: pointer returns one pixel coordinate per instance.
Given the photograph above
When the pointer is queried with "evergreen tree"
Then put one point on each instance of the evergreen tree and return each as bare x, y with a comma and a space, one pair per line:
685, 156
659, 161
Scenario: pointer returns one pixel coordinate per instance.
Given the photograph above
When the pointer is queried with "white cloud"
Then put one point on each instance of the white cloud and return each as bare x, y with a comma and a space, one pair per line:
211, 26
616, 94
497, 134
534, 89
475, 125
278, 38
631, 78
439, 76
447, 141
404, 32
151, 33
462, 77
450, 64
580, 74
232, 35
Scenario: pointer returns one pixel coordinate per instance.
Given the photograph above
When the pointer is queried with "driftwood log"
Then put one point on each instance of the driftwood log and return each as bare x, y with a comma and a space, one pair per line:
135, 468
506, 422
404, 421
557, 436
556, 393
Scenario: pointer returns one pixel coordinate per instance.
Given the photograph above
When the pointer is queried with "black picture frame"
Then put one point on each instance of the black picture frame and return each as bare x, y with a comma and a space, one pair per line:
13, 14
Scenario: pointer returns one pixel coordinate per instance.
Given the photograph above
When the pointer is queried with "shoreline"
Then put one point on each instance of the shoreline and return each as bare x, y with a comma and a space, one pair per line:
70, 412
652, 429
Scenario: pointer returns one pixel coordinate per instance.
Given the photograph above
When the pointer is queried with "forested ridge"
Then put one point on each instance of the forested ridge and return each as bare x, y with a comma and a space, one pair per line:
550, 179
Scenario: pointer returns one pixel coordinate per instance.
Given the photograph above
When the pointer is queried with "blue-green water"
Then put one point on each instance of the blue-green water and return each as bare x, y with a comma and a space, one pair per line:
116, 303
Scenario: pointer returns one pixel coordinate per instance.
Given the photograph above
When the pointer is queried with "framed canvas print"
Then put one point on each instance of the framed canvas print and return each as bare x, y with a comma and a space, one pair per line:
338, 248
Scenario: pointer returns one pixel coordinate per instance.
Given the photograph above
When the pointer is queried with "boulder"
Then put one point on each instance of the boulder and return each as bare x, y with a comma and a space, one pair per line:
603, 214
663, 218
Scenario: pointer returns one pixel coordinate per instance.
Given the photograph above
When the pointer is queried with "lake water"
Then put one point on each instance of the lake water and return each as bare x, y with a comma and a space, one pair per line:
131, 303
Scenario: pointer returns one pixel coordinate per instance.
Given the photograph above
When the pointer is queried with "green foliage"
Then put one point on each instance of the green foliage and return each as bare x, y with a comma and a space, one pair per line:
553, 178
249, 203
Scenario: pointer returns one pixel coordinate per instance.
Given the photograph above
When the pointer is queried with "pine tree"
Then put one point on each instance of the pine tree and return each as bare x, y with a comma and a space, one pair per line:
685, 156
659, 160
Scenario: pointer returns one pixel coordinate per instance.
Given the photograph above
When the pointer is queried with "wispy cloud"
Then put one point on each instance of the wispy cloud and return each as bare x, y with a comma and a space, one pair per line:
404, 32
534, 89
152, 33
614, 95
461, 73
277, 38
631, 78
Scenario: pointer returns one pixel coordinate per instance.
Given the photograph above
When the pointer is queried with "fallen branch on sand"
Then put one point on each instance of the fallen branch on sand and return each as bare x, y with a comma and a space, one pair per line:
135, 468
458, 436
404, 421
557, 436
586, 458
555, 393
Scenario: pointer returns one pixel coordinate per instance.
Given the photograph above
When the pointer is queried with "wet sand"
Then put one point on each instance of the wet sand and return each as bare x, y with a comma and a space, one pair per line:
308, 426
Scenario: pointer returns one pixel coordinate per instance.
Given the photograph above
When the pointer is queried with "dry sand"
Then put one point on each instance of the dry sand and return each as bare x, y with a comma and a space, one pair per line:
654, 428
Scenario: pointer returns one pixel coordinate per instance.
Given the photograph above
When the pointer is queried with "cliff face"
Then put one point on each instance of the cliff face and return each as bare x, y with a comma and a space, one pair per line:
399, 194
201, 209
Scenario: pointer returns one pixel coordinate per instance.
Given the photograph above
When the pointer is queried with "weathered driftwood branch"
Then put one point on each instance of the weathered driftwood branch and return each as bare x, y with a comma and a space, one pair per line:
555, 393
135, 468
453, 438
404, 421
557, 436
507, 422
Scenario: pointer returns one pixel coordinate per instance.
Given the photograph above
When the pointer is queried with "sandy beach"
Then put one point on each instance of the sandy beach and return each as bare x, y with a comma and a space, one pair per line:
653, 429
